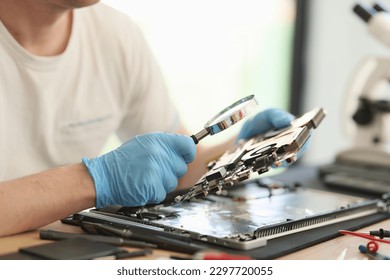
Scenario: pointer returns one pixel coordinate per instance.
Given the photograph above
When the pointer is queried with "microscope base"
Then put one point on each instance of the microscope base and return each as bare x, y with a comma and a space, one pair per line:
359, 170
364, 157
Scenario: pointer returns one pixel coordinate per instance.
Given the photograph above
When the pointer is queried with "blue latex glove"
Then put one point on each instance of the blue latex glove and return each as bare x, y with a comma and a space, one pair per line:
264, 121
142, 170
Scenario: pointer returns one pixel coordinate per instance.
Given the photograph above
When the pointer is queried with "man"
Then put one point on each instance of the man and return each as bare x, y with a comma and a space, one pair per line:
68, 79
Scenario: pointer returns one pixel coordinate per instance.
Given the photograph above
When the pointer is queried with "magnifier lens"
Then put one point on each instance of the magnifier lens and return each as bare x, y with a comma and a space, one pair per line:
231, 115
227, 117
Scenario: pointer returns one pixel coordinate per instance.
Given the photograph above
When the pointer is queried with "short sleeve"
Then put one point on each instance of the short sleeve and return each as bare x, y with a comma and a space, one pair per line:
148, 105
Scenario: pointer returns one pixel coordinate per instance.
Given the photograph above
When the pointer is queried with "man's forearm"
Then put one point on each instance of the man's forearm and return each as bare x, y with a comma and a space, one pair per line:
36, 200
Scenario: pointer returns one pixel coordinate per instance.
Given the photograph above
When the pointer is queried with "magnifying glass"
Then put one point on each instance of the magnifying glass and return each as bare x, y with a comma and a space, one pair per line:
227, 117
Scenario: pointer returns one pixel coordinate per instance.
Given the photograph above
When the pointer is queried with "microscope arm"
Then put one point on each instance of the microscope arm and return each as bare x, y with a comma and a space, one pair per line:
370, 123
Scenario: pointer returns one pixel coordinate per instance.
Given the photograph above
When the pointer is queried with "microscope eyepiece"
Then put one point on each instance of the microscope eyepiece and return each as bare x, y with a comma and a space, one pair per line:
380, 7
364, 12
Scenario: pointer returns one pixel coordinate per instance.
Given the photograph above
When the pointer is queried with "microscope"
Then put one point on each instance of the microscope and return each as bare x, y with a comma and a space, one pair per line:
366, 165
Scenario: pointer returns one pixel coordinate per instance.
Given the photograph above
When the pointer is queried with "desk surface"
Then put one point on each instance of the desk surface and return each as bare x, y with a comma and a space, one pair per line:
343, 247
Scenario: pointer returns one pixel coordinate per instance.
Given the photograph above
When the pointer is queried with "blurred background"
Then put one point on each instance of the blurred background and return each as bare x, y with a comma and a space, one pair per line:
292, 54
214, 52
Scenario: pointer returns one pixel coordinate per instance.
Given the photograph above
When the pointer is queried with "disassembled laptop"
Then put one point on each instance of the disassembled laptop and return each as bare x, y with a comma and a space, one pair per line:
225, 208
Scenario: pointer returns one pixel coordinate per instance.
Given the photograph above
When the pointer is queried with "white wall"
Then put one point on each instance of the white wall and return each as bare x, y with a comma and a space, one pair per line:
214, 52
338, 40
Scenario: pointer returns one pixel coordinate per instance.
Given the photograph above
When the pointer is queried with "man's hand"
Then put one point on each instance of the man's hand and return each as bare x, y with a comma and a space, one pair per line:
264, 121
142, 170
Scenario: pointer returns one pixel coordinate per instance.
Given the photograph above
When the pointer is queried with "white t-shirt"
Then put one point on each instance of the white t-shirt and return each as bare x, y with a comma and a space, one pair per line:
55, 110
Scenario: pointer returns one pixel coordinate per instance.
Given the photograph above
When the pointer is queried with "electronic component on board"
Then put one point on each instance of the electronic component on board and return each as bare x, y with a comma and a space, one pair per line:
257, 154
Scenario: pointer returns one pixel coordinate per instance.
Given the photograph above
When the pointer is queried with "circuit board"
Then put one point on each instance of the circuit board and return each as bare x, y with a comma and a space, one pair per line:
257, 154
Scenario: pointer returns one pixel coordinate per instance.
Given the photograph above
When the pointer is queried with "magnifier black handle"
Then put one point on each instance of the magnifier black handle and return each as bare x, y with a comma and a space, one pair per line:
200, 135
196, 141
